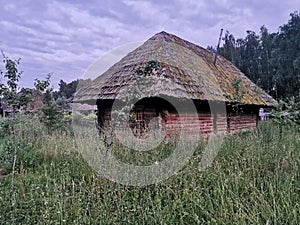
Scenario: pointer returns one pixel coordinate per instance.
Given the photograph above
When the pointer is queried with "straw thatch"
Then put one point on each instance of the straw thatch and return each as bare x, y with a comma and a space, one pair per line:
188, 68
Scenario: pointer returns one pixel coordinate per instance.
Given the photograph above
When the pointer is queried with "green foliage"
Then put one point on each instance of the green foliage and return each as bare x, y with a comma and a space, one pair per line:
67, 117
25, 96
82, 118
77, 117
287, 113
238, 94
62, 103
14, 100
247, 184
91, 116
67, 90
12, 74
28, 157
239, 91
271, 60
148, 69
42, 85
5, 126
13, 97
51, 114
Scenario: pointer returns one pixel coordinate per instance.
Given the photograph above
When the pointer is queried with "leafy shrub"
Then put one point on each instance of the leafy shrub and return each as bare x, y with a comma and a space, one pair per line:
287, 114
77, 117
5, 128
52, 116
67, 116
91, 116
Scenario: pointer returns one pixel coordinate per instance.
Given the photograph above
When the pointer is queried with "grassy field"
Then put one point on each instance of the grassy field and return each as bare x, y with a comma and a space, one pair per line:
255, 179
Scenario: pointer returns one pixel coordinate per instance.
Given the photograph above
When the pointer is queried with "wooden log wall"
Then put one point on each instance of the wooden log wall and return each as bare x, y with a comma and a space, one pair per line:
190, 123
221, 123
169, 121
218, 123
241, 122
206, 125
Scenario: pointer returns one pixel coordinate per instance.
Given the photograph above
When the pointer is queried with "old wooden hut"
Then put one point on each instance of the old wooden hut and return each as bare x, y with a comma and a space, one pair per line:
192, 74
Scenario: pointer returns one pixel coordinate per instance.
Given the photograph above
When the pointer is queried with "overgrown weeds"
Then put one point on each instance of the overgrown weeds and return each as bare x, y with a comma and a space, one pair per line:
254, 180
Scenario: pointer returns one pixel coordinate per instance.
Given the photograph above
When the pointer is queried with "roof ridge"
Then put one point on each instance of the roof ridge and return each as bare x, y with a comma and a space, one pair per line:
172, 37
193, 63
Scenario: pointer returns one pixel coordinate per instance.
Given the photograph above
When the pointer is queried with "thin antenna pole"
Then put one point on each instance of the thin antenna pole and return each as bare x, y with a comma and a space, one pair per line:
216, 55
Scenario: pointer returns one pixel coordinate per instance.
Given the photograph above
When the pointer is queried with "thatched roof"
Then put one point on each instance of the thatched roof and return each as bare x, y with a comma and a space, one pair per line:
189, 69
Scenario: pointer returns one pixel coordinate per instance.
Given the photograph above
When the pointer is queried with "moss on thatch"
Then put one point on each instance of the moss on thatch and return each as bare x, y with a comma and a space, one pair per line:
188, 69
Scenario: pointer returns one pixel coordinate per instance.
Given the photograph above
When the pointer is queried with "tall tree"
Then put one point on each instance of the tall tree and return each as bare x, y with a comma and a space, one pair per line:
265, 63
67, 90
271, 60
286, 57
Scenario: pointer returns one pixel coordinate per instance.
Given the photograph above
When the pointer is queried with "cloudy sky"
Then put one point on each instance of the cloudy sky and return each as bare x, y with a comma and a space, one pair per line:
65, 37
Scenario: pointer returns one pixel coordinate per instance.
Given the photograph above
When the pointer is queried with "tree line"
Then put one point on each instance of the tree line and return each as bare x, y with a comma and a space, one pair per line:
270, 60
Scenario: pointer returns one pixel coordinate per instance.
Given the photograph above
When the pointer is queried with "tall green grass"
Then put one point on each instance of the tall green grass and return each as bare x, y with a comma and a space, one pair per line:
254, 180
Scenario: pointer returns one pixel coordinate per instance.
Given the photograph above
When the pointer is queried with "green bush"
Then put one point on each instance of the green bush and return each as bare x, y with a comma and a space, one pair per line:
5, 128
77, 117
91, 116
52, 116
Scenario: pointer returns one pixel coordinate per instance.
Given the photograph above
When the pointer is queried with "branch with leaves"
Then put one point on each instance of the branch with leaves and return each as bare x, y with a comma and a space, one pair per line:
9, 92
51, 114
287, 113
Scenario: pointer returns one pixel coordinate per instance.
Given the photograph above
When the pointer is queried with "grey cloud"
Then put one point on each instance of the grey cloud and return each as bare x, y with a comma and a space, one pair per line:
66, 36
